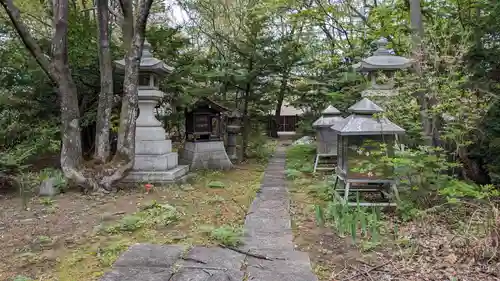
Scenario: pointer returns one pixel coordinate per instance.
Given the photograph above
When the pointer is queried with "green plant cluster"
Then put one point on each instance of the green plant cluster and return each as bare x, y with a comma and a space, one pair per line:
151, 215
300, 160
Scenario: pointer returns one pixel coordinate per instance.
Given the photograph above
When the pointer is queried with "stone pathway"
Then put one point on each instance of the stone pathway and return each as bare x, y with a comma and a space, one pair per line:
267, 253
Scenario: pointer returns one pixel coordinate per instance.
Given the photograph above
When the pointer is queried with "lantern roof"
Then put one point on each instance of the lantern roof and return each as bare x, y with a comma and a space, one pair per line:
365, 106
362, 122
382, 59
329, 117
148, 62
330, 110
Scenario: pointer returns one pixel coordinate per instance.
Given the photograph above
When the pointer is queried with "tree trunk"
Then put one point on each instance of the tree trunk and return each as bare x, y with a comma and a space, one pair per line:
103, 120
133, 38
418, 33
246, 122
279, 103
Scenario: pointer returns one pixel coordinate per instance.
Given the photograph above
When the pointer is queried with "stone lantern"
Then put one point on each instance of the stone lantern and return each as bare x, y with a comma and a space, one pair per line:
362, 126
233, 129
326, 139
155, 162
381, 63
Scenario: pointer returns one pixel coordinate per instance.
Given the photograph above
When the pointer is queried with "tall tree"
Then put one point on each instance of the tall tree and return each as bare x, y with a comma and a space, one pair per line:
58, 70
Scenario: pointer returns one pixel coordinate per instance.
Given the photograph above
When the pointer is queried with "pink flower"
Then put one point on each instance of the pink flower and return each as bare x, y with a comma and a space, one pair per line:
148, 187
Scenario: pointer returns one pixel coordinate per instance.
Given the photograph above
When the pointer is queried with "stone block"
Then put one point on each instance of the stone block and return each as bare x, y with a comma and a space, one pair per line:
214, 257
206, 155
207, 275
150, 255
177, 174
156, 163
153, 147
137, 274
149, 133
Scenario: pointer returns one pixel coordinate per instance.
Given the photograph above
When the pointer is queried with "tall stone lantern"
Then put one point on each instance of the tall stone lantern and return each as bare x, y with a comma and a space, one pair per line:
155, 162
381, 63
233, 129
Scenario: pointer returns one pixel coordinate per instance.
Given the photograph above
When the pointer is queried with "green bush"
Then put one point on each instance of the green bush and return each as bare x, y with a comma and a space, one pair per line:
301, 157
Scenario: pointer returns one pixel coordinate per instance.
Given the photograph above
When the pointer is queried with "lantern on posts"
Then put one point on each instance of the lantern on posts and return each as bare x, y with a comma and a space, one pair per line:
326, 139
357, 136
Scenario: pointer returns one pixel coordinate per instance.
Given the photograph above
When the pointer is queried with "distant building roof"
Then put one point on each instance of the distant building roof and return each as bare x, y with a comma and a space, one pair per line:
288, 110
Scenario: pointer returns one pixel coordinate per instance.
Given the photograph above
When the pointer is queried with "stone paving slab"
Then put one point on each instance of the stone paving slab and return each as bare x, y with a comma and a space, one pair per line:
190, 274
213, 257
268, 233
150, 255
138, 274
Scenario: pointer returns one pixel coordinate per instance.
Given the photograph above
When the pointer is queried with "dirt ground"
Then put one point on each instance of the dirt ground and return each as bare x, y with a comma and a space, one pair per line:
427, 249
59, 238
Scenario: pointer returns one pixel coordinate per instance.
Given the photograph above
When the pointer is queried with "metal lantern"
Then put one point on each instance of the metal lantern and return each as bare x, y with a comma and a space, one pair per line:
326, 138
381, 62
360, 128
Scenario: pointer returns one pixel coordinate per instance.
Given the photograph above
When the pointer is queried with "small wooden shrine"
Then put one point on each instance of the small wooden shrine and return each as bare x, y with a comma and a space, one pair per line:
381, 67
204, 121
204, 146
355, 134
326, 139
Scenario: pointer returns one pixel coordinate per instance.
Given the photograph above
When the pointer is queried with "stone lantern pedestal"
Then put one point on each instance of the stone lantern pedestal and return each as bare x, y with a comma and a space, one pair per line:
155, 162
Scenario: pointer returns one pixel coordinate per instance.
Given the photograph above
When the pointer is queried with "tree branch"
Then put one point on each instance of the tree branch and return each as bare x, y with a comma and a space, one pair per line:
28, 40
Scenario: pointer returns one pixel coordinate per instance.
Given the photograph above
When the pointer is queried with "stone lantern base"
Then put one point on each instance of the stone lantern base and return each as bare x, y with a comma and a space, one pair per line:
155, 162
206, 155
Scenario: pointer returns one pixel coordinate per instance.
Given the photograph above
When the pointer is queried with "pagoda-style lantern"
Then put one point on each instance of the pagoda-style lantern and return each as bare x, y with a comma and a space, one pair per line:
204, 146
381, 63
154, 159
355, 135
326, 139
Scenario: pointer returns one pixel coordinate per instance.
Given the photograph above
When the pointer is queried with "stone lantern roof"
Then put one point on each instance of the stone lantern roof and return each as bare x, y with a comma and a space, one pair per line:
382, 59
363, 122
329, 117
148, 62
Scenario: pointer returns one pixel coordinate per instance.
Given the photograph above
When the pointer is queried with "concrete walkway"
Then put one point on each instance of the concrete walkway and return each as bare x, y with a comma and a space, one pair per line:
267, 253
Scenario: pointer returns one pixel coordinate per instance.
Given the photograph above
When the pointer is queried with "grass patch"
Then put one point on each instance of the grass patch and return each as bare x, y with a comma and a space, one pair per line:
171, 215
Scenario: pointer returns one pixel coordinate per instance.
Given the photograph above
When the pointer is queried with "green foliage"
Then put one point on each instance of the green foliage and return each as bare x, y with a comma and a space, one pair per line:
357, 223
260, 148
292, 174
422, 173
299, 157
216, 184
60, 182
150, 215
110, 253
228, 235
21, 278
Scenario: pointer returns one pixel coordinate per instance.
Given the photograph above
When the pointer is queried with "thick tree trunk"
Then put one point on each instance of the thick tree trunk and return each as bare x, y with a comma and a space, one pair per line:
103, 121
71, 150
59, 73
133, 35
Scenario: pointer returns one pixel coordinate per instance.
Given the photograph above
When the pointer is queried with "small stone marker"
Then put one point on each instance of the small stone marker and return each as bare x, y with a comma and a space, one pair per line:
47, 188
